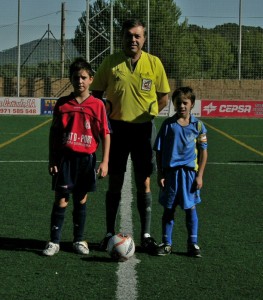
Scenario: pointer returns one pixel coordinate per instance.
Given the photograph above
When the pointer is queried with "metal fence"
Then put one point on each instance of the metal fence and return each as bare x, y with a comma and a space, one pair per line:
190, 46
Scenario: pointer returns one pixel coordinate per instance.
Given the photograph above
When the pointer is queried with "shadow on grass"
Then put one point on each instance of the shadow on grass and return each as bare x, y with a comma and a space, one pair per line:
139, 249
36, 246
20, 244
94, 258
181, 254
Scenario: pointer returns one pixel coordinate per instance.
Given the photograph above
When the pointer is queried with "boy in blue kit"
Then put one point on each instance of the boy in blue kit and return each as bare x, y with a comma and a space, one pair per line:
181, 155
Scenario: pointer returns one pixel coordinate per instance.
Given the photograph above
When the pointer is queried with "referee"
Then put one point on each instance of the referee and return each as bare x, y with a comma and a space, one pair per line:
136, 90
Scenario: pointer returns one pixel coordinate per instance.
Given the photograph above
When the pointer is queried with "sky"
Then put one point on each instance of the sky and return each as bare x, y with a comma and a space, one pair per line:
39, 17
209, 13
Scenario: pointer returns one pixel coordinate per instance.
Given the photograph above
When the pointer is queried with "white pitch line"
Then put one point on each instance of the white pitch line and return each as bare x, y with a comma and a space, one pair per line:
23, 161
236, 163
127, 277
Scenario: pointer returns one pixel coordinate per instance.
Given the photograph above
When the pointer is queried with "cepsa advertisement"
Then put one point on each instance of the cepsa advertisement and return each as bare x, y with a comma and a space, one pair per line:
235, 109
19, 106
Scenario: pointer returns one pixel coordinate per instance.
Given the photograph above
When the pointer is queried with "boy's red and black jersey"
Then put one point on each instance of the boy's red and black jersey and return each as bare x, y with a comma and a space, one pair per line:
77, 126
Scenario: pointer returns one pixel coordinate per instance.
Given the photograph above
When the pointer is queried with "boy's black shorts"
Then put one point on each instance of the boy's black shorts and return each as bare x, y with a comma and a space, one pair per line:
76, 174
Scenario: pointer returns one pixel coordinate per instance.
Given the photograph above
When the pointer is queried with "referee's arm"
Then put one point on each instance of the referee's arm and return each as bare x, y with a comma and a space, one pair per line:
162, 99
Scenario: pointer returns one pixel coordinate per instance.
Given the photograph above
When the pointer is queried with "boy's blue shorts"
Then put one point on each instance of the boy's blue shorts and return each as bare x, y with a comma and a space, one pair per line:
180, 188
76, 174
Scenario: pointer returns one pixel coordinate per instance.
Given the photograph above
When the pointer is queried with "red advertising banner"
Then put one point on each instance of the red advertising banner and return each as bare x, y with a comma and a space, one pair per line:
227, 108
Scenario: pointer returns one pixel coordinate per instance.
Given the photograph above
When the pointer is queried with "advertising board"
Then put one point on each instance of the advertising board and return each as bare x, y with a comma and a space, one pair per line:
19, 106
234, 109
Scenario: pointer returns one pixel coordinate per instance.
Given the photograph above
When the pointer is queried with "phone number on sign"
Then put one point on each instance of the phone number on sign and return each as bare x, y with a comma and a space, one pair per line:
22, 111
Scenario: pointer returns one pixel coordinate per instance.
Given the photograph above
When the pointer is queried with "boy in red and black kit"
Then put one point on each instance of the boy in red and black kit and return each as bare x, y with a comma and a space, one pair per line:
79, 124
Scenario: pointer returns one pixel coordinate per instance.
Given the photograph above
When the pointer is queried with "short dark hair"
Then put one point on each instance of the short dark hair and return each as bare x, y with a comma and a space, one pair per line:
186, 91
80, 64
130, 23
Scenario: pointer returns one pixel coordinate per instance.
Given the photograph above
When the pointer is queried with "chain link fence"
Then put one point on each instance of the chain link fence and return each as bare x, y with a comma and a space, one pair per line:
188, 51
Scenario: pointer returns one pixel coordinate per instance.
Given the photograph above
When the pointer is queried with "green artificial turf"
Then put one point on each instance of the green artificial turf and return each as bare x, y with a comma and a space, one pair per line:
230, 218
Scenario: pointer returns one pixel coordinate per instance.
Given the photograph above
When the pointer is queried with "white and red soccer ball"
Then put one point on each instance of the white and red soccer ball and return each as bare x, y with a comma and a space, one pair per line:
121, 247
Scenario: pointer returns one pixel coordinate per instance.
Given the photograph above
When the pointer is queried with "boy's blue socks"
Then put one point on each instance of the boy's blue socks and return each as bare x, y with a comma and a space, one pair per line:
167, 226
191, 219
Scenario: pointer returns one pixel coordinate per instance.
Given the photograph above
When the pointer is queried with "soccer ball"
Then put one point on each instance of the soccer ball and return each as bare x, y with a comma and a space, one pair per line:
121, 247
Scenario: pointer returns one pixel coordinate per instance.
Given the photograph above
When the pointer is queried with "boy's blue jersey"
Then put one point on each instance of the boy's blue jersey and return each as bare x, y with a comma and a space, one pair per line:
178, 144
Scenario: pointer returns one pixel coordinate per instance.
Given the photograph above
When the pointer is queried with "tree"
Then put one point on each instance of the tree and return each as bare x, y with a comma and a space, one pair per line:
187, 51
252, 58
187, 57
164, 18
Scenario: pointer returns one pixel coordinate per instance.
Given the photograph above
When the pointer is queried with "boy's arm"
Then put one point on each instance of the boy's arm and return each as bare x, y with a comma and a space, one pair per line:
102, 170
52, 167
201, 168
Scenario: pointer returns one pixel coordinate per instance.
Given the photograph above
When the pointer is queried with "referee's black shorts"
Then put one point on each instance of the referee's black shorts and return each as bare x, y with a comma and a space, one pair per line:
136, 140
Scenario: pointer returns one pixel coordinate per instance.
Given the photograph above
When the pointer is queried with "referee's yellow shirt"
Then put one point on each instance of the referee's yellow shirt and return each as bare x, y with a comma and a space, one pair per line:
131, 94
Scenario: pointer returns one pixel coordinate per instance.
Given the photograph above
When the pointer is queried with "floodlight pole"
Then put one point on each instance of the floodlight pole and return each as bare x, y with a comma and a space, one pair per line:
240, 40
62, 58
148, 26
111, 27
87, 32
18, 49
